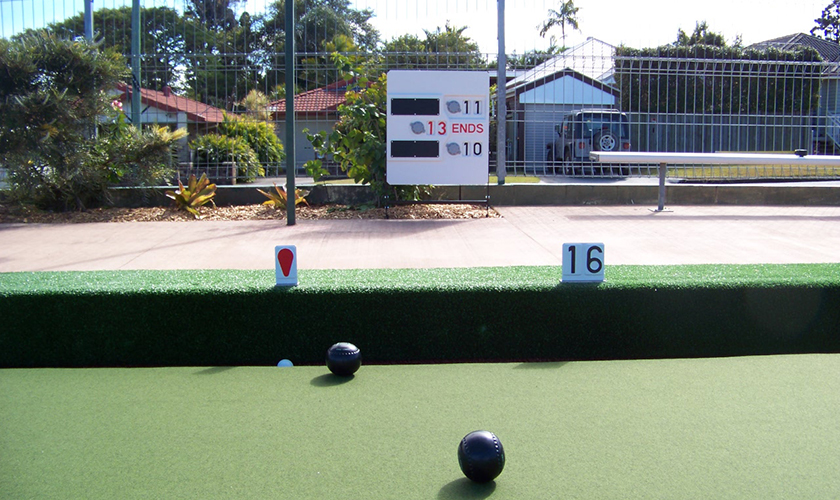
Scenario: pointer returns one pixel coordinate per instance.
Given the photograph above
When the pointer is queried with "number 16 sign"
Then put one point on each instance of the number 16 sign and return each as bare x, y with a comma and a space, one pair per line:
583, 262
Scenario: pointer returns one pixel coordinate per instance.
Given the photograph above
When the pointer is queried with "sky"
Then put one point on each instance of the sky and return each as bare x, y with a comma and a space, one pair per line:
640, 23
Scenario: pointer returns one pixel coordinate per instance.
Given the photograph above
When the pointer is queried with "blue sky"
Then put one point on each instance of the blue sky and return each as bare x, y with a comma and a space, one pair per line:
642, 23
20, 14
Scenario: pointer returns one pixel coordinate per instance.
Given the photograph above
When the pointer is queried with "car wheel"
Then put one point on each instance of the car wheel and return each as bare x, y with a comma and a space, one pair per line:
607, 141
567, 163
549, 154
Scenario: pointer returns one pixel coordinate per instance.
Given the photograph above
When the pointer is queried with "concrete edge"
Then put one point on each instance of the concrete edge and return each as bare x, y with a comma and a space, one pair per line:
534, 195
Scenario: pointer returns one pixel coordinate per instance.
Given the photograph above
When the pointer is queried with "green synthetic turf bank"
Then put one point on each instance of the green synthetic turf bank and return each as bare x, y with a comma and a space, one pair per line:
224, 317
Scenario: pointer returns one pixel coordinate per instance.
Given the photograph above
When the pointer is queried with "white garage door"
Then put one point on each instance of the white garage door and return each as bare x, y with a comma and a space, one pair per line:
540, 120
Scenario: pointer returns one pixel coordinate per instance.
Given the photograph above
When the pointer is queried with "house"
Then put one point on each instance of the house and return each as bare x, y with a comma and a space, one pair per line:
827, 126
163, 107
315, 110
580, 77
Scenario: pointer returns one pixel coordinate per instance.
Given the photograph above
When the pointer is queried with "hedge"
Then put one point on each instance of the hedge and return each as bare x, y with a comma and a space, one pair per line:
226, 317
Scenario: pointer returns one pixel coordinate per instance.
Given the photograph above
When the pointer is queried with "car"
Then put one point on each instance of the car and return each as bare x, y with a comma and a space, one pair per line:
588, 130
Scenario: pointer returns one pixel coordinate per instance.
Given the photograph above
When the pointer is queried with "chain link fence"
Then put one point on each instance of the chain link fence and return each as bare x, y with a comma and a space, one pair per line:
202, 62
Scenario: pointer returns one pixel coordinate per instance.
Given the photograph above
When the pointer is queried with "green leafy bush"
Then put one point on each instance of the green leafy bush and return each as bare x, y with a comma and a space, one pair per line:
677, 79
216, 149
140, 157
258, 134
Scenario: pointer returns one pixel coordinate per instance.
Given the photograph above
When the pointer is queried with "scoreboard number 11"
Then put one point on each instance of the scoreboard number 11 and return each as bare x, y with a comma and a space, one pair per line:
583, 262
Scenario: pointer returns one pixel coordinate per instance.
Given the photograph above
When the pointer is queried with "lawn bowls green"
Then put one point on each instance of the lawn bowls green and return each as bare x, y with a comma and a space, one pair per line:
481, 456
344, 359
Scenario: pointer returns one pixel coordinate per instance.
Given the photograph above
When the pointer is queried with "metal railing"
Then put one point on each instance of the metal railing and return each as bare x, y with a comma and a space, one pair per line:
675, 101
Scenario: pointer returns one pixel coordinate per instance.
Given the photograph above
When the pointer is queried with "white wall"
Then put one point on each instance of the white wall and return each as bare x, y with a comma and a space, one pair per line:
568, 90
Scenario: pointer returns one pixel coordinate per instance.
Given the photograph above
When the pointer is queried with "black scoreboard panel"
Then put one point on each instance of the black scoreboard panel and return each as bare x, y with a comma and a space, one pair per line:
418, 106
415, 149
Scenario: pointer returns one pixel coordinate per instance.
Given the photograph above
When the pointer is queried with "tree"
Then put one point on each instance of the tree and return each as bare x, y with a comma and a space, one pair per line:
223, 66
52, 92
453, 49
210, 64
318, 22
702, 35
164, 41
446, 48
344, 62
406, 52
216, 15
828, 24
531, 58
256, 106
567, 15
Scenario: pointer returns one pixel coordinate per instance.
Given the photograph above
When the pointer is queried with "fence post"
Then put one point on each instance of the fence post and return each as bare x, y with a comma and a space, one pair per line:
135, 64
501, 106
290, 113
663, 168
89, 20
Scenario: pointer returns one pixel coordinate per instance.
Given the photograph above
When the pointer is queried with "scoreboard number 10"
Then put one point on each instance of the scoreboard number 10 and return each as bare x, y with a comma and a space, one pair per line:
583, 262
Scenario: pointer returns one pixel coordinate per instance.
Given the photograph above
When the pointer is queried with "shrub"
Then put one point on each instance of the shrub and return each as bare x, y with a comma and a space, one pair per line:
259, 135
278, 199
216, 149
52, 93
194, 196
141, 157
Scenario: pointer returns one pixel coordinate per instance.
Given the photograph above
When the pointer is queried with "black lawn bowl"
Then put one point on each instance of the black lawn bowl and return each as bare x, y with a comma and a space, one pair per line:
344, 359
481, 456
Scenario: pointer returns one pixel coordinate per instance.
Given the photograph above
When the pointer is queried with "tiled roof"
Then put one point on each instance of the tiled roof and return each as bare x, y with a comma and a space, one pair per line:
165, 100
324, 100
829, 51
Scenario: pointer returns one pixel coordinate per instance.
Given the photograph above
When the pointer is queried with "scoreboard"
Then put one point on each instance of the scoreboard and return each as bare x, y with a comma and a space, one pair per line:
438, 127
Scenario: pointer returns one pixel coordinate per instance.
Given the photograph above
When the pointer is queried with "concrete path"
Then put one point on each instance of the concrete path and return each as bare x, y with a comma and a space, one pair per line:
524, 236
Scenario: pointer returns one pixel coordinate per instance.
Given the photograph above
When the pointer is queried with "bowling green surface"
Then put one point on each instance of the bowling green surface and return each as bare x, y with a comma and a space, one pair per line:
760, 427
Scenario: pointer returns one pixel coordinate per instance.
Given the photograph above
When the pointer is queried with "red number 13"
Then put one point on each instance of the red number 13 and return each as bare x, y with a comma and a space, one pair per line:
441, 128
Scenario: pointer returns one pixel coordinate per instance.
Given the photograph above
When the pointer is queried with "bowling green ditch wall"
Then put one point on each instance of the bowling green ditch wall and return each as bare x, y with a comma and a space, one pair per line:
224, 318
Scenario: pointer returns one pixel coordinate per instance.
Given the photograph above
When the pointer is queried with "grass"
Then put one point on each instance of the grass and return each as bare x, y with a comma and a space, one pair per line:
440, 280
754, 172
334, 182
516, 179
747, 427
493, 179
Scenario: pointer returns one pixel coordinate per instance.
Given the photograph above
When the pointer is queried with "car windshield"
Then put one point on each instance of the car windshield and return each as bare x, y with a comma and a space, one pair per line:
590, 125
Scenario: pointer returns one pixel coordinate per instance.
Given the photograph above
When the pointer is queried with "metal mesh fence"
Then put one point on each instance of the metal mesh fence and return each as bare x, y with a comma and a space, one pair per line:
202, 61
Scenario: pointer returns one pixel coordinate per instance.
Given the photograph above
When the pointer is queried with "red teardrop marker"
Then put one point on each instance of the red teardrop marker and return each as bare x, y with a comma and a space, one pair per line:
285, 257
